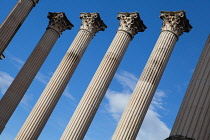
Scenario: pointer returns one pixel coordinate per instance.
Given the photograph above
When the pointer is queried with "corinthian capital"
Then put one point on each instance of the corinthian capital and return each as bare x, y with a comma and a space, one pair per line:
92, 22
175, 22
59, 22
131, 23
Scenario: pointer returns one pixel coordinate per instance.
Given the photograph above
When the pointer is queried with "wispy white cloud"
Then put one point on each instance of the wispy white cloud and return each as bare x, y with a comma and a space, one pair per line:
18, 63
67, 94
126, 79
5, 81
116, 106
26, 102
157, 102
117, 102
43, 78
152, 128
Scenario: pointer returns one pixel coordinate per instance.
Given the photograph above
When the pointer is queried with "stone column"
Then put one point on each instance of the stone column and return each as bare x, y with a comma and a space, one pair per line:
130, 24
13, 22
31, 129
9, 102
193, 119
174, 24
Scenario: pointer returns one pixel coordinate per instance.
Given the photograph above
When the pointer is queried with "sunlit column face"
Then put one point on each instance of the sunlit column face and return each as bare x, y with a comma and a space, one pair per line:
91, 24
174, 24
130, 25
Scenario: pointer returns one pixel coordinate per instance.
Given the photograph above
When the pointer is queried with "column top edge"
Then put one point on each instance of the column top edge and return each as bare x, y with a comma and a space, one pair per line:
36, 1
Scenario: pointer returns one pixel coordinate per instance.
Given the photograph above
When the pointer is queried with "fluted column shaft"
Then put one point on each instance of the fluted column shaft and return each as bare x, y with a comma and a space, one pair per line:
143, 93
87, 108
193, 119
24, 78
13, 21
42, 110
22, 81
91, 100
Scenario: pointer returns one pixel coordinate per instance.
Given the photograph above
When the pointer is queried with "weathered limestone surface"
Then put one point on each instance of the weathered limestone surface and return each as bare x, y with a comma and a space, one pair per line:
174, 24
130, 24
31, 129
13, 22
193, 119
9, 102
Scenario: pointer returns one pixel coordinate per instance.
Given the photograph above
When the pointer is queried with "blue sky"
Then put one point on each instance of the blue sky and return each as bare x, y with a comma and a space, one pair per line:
164, 107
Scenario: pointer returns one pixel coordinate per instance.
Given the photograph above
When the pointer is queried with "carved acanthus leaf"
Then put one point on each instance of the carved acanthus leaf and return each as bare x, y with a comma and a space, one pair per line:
131, 23
175, 22
92, 22
59, 22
